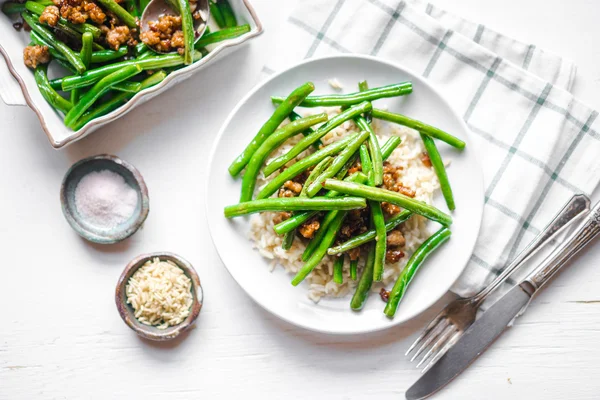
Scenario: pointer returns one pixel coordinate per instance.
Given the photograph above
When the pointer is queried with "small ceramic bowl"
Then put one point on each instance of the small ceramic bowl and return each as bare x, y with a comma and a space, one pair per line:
127, 312
83, 227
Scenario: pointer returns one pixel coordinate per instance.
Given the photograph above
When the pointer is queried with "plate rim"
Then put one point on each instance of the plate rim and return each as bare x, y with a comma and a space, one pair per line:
276, 75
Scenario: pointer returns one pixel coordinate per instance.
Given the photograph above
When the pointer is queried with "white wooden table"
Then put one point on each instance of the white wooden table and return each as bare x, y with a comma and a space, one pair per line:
61, 336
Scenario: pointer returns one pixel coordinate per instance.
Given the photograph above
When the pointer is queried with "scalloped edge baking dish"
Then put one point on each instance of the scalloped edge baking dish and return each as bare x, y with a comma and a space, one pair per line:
58, 134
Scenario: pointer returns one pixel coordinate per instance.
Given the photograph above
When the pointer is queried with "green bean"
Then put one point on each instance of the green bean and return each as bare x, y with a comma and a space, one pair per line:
412, 267
298, 219
62, 48
288, 240
273, 141
63, 63
120, 12
94, 75
131, 87
380, 239
370, 235
9, 8
320, 252
294, 116
338, 162
365, 162
86, 49
187, 26
440, 170
53, 98
38, 8
37, 39
98, 90
227, 12
219, 36
306, 142
279, 115
338, 270
419, 126
330, 100
374, 149
303, 165
294, 204
75, 95
314, 174
389, 146
215, 13
364, 284
378, 194
353, 269
108, 55
117, 100
363, 86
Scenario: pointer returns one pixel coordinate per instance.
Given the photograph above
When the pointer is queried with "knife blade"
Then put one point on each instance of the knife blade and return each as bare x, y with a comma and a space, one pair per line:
476, 339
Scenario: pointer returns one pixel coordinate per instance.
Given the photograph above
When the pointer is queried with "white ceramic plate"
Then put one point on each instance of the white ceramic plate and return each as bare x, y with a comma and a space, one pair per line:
273, 290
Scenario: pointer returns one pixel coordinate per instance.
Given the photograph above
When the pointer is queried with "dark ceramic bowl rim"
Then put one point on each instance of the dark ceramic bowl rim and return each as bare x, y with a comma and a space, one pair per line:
126, 311
121, 235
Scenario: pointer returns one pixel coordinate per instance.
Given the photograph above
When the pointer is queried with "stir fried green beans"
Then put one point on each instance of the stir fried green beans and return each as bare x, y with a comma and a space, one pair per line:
419, 126
365, 162
120, 12
273, 141
294, 204
440, 170
279, 115
303, 165
298, 219
98, 90
370, 235
321, 250
374, 151
378, 194
131, 87
38, 8
338, 270
312, 138
62, 48
330, 100
187, 26
288, 240
215, 13
317, 239
362, 86
118, 100
228, 15
337, 164
53, 98
37, 39
412, 266
364, 284
94, 75
353, 269
388, 147
294, 116
314, 174
132, 7
86, 49
380, 239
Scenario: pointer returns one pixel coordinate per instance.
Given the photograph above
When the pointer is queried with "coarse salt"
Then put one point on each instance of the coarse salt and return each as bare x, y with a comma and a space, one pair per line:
104, 199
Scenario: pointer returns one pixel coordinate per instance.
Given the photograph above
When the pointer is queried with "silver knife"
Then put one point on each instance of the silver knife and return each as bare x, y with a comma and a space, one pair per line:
499, 316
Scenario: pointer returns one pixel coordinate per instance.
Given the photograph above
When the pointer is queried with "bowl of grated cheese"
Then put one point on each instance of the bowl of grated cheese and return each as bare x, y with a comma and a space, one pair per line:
159, 295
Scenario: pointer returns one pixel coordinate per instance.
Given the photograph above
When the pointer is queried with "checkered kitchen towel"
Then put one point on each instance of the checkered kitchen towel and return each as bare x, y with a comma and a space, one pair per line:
539, 143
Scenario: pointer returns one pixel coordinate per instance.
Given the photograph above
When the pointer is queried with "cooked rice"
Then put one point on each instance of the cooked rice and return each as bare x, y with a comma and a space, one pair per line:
160, 294
320, 281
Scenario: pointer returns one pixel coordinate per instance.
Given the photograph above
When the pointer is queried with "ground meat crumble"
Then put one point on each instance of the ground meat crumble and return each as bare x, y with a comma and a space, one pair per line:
35, 55
50, 16
164, 35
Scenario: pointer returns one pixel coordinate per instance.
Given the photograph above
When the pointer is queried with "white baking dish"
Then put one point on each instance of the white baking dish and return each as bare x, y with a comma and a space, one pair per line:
20, 89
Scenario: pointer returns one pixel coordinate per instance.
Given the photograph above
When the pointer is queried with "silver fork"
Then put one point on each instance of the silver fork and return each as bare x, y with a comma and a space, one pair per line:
449, 325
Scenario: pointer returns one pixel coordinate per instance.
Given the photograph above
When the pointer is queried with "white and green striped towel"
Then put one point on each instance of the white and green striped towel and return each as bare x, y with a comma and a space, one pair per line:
540, 144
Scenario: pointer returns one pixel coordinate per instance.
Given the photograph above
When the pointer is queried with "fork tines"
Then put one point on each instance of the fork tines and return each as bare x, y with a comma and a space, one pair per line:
437, 338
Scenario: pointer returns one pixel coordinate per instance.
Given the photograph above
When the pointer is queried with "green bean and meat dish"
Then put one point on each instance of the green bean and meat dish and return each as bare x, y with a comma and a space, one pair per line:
342, 193
106, 58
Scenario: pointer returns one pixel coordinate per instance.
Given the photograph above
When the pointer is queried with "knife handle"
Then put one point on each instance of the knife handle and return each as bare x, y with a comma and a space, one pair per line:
587, 230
